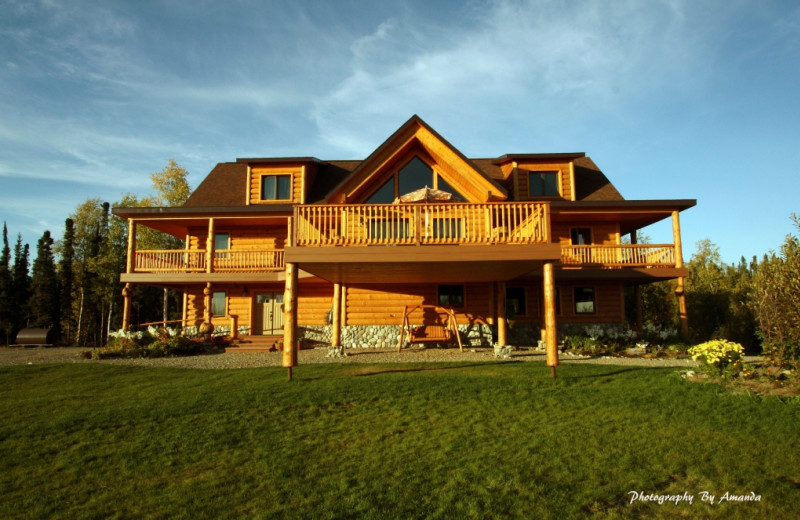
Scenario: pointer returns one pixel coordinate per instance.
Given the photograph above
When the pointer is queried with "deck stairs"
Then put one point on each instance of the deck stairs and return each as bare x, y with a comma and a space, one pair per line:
245, 344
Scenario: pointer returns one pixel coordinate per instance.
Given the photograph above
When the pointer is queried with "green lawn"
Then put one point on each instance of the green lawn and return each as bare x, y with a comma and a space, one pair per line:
388, 441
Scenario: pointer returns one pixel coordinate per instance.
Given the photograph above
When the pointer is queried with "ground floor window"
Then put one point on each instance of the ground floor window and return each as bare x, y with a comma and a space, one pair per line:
584, 300
515, 302
218, 303
451, 295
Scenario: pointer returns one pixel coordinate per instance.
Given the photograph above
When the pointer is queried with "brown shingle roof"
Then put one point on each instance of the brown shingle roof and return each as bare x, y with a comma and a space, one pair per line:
591, 183
226, 185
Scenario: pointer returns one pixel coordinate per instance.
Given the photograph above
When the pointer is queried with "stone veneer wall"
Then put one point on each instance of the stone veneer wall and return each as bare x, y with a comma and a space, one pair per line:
377, 336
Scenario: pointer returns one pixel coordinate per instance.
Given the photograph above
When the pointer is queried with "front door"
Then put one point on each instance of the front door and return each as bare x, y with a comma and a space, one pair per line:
268, 314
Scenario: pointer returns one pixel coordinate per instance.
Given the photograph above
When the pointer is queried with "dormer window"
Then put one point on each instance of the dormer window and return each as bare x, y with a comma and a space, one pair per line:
543, 184
276, 187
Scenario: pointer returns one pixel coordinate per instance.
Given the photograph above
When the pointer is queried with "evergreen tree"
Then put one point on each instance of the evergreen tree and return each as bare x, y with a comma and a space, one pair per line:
20, 286
6, 290
66, 281
44, 300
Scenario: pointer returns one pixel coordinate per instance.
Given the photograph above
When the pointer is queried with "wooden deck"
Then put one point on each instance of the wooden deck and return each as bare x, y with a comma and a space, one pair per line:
421, 224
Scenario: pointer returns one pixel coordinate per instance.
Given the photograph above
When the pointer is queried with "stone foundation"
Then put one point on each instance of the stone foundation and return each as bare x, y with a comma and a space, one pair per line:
385, 336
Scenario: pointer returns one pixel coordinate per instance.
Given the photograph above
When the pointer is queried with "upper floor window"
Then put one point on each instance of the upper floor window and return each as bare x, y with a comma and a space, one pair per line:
581, 236
276, 187
543, 184
415, 175
222, 242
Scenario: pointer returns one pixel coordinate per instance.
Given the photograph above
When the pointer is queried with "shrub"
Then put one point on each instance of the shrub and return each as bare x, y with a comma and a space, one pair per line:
719, 356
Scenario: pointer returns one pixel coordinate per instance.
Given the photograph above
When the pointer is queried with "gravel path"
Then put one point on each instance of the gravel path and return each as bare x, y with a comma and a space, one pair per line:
30, 356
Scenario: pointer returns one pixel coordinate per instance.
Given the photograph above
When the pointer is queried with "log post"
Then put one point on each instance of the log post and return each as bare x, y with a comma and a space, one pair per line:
127, 293
289, 359
551, 334
679, 290
130, 265
336, 332
501, 314
207, 327
210, 246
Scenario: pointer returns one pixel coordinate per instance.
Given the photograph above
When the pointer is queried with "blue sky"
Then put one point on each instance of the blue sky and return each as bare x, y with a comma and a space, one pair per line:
672, 98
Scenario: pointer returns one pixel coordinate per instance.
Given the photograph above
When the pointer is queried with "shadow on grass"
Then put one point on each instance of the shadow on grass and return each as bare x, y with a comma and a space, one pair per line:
373, 370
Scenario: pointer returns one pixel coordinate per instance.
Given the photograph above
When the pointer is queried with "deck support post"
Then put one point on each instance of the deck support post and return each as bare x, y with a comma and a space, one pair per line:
551, 334
210, 246
289, 358
130, 265
207, 328
679, 290
336, 332
127, 294
501, 314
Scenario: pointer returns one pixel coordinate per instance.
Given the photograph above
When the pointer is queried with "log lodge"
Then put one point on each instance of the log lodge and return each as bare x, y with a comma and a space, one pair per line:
345, 252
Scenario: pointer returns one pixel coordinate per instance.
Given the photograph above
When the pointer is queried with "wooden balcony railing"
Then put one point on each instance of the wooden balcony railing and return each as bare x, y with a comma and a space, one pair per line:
225, 261
231, 261
630, 255
421, 224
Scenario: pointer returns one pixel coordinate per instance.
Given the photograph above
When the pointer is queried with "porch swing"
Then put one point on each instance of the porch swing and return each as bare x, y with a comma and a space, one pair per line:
430, 332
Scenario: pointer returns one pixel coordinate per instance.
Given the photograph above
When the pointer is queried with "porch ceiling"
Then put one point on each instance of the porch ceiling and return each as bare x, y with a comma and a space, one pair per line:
422, 264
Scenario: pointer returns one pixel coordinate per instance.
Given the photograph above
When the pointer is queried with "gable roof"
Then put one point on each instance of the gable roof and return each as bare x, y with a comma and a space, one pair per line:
412, 134
226, 185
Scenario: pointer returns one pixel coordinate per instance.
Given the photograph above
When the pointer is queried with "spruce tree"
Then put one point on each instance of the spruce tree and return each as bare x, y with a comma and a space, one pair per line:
6, 290
66, 281
44, 300
21, 285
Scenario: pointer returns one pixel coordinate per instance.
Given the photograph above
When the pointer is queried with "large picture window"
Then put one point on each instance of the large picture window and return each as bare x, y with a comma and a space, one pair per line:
584, 300
451, 296
543, 184
276, 187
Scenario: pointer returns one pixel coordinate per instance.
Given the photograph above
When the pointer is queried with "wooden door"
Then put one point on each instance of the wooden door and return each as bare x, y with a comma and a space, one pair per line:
268, 314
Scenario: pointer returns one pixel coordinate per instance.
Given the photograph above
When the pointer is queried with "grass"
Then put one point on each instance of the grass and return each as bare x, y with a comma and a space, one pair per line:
387, 441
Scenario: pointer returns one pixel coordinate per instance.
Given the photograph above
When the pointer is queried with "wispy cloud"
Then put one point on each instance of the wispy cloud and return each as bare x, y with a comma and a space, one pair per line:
550, 61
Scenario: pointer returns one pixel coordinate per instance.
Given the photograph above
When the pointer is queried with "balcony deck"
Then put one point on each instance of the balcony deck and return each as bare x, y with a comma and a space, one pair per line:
224, 261
421, 224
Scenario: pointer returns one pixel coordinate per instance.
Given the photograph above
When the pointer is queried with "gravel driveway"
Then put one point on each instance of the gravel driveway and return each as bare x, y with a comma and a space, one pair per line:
29, 356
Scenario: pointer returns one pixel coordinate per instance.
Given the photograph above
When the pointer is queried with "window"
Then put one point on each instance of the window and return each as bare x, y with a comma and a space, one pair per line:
584, 300
447, 228
451, 295
515, 302
276, 187
442, 185
413, 176
543, 184
384, 195
218, 303
221, 243
581, 236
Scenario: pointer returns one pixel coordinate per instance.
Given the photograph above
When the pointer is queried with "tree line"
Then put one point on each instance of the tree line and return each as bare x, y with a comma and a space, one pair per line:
73, 285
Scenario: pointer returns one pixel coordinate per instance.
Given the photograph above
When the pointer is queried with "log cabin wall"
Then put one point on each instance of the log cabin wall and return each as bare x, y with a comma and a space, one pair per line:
243, 238
609, 303
314, 302
237, 303
603, 233
375, 305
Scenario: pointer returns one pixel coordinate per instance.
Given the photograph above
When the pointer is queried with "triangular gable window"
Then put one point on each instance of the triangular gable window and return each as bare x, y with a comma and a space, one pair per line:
384, 195
413, 176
